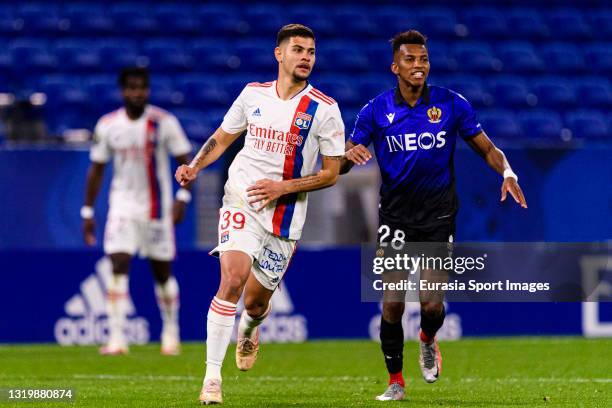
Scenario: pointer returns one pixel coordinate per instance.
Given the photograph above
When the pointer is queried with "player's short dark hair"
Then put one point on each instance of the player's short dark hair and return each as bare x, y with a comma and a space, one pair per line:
293, 30
132, 72
407, 37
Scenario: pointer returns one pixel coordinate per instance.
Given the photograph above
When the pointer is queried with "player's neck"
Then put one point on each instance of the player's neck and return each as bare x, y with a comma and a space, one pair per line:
287, 88
411, 94
134, 113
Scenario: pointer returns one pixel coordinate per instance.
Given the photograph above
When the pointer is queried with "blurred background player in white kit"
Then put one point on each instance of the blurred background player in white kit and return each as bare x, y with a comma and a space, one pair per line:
288, 123
141, 216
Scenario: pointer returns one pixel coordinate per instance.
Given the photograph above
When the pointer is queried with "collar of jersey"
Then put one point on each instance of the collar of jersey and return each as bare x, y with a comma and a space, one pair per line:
424, 98
307, 87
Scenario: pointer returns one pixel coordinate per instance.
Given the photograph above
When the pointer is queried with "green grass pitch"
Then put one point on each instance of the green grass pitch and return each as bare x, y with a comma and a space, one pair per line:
505, 372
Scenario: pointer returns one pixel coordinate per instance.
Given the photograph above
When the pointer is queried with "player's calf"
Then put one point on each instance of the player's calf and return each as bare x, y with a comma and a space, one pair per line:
247, 347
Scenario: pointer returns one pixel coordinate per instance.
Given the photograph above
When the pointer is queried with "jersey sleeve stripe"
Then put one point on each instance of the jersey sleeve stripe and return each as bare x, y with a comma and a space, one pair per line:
322, 96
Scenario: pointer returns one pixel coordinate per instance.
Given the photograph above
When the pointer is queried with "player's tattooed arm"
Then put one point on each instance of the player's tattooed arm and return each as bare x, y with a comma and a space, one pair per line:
496, 159
208, 154
354, 154
266, 191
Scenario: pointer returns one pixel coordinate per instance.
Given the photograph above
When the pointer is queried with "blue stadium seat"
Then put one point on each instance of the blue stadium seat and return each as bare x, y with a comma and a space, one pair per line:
203, 91
41, 18
437, 22
220, 19
527, 23
520, 57
264, 19
568, 24
564, 58
118, 54
89, 19
440, 58
195, 123
500, 124
601, 23
588, 124
340, 88
372, 85
176, 19
234, 84
213, 56
167, 55
33, 56
257, 55
599, 56
321, 23
471, 87
475, 57
485, 23
541, 124
78, 56
338, 56
510, 92
63, 90
554, 92
164, 93
349, 116
594, 92
387, 21
379, 55
103, 89
354, 21
134, 19
9, 23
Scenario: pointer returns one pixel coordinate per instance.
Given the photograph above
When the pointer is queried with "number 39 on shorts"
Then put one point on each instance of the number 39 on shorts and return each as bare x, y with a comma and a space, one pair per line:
232, 219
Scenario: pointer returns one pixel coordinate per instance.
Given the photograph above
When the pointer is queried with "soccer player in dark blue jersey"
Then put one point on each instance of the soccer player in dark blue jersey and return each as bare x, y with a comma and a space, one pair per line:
413, 129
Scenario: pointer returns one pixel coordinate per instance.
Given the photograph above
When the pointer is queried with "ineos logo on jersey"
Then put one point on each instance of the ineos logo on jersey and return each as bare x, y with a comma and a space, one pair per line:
410, 141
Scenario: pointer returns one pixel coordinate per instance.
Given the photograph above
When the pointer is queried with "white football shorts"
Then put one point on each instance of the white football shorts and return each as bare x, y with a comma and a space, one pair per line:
240, 230
153, 239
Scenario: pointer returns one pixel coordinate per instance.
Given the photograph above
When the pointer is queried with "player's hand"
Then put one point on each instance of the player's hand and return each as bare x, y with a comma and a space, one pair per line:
359, 154
178, 211
511, 186
265, 191
185, 174
89, 232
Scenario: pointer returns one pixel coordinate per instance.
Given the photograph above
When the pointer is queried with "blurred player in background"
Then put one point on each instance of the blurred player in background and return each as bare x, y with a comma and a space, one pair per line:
141, 216
414, 129
288, 122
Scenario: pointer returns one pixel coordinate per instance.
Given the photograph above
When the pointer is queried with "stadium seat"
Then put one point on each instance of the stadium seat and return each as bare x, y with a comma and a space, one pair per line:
355, 21
41, 18
470, 86
440, 58
563, 58
321, 23
33, 56
601, 22
257, 55
264, 20
554, 92
372, 85
89, 19
437, 22
63, 91
520, 57
167, 55
500, 124
195, 123
119, 54
339, 56
485, 23
526, 23
541, 124
568, 24
77, 56
475, 57
176, 19
594, 92
588, 124
510, 92
103, 89
340, 88
203, 91
599, 58
164, 93
220, 19
213, 56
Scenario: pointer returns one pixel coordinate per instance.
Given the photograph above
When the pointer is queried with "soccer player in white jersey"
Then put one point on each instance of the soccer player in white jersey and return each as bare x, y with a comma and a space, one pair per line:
288, 123
141, 216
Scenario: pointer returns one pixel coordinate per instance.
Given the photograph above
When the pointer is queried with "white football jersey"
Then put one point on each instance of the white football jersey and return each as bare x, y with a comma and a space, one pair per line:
283, 140
141, 187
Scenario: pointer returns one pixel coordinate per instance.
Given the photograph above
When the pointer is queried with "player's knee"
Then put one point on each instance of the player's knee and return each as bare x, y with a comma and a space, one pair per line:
254, 307
393, 311
432, 309
121, 264
231, 284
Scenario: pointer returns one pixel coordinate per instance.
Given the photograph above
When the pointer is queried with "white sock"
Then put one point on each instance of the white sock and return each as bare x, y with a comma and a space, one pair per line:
117, 299
247, 323
219, 327
167, 295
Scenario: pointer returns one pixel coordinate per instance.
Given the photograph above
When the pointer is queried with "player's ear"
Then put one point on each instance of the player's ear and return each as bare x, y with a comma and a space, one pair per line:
278, 54
394, 68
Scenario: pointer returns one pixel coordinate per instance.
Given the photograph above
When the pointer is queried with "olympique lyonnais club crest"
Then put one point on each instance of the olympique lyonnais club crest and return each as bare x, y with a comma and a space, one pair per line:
302, 120
224, 237
434, 114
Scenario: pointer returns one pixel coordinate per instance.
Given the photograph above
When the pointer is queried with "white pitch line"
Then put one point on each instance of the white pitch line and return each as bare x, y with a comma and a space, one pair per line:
345, 378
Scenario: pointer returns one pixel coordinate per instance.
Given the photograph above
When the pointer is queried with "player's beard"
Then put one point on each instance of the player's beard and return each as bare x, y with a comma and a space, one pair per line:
299, 77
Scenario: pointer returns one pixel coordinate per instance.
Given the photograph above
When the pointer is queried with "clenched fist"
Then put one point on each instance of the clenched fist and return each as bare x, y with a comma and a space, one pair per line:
185, 174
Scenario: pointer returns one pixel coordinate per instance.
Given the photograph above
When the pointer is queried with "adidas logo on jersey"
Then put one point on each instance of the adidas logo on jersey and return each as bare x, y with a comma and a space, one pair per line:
256, 113
86, 322
282, 325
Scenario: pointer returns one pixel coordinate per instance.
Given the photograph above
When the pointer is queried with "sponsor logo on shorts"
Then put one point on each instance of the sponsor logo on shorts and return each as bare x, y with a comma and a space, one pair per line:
224, 236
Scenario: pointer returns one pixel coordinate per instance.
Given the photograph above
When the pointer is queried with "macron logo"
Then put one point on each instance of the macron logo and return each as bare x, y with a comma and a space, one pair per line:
390, 117
257, 112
